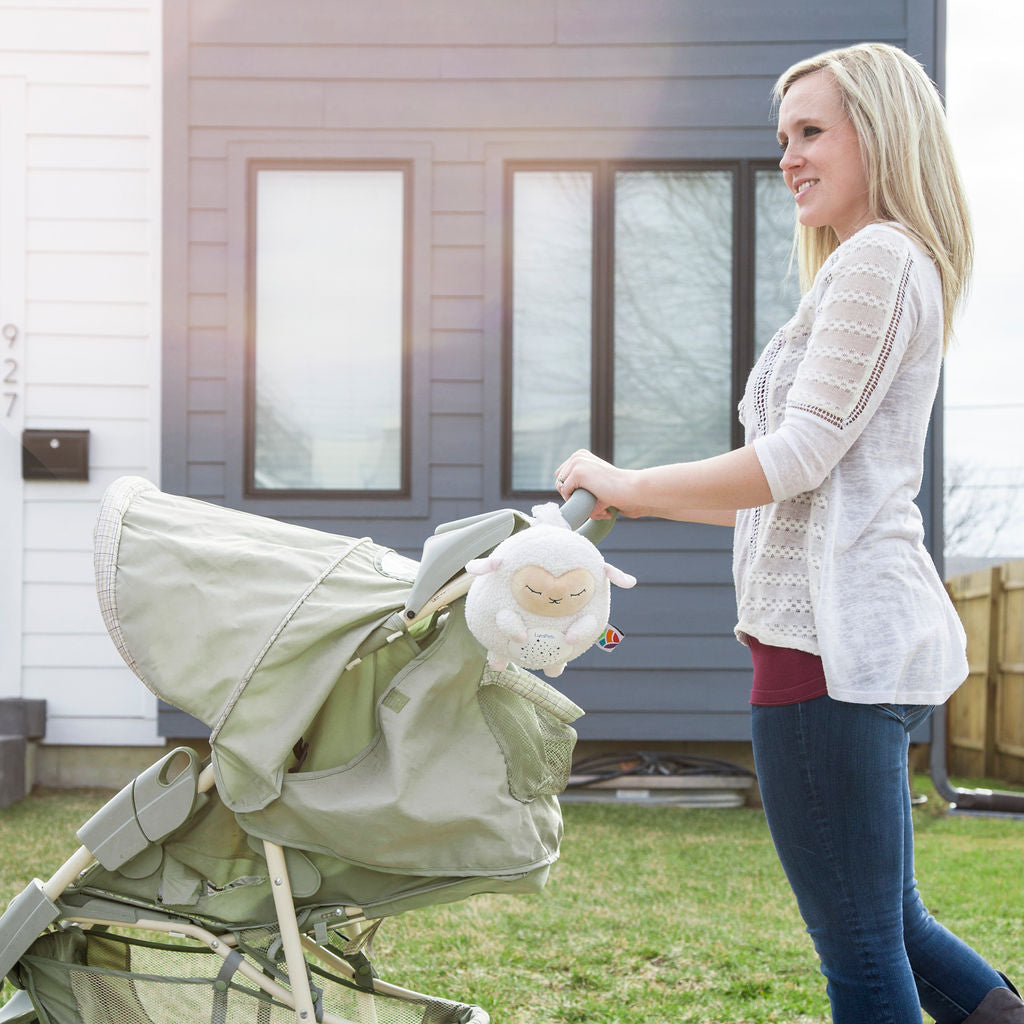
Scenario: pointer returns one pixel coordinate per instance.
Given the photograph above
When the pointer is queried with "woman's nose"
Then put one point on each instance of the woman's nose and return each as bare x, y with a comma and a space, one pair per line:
790, 157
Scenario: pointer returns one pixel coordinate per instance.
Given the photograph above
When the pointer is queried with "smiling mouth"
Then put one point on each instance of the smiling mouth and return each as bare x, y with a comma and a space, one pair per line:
805, 185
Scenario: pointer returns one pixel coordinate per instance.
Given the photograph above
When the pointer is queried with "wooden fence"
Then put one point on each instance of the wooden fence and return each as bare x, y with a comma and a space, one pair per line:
985, 732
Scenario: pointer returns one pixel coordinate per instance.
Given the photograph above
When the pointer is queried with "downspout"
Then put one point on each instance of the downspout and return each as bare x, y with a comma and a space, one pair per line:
975, 801
971, 801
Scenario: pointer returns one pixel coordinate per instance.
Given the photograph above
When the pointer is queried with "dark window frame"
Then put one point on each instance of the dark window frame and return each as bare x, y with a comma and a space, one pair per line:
249, 489
603, 313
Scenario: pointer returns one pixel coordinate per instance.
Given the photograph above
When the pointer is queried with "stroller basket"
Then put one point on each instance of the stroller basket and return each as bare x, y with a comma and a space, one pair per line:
365, 761
85, 976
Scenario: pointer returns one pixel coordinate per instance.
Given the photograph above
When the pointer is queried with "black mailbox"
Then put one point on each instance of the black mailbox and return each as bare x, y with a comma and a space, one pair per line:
55, 454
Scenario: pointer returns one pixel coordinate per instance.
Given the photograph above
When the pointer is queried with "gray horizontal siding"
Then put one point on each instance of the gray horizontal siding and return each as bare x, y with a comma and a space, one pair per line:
458, 87
447, 23
687, 21
658, 691
651, 727
360, 22
654, 60
504, 104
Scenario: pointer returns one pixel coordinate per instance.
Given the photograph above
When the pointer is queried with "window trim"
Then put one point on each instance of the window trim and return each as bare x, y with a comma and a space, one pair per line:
603, 311
249, 490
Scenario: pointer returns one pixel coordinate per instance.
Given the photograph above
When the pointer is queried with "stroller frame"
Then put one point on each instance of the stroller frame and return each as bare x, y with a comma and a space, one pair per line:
41, 904
162, 799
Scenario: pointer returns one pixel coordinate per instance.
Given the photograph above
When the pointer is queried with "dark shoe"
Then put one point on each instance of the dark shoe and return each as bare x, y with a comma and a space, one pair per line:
1000, 1006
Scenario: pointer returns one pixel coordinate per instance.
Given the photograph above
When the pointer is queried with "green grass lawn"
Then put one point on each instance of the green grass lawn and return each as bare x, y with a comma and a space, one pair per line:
653, 914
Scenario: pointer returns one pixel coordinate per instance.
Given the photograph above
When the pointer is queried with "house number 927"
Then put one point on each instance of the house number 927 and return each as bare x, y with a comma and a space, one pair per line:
10, 332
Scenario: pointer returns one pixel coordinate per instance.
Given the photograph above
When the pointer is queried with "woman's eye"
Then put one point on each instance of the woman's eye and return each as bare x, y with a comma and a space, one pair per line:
808, 131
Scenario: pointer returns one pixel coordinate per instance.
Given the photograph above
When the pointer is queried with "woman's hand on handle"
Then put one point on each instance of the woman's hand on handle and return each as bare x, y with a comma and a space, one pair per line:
609, 484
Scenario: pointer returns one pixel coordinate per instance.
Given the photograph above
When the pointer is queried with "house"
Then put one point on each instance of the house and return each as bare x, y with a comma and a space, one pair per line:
373, 267
80, 247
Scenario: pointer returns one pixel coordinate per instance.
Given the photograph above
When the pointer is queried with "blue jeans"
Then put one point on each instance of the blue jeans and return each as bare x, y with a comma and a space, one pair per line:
834, 782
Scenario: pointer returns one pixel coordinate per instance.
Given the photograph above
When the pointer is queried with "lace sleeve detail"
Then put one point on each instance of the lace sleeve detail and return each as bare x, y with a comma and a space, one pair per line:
858, 337
856, 327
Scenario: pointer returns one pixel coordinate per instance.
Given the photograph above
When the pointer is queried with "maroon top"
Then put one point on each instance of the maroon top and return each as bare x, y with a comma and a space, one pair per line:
783, 675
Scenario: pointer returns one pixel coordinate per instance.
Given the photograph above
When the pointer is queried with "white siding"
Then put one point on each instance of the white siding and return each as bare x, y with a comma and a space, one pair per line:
92, 76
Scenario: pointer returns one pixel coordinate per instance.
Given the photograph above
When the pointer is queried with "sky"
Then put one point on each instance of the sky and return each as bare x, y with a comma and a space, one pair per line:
984, 377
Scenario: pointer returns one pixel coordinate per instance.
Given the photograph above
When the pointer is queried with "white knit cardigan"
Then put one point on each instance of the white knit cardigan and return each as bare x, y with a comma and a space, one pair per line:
837, 409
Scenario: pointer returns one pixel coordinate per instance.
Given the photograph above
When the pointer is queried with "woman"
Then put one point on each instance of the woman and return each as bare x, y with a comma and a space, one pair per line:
852, 637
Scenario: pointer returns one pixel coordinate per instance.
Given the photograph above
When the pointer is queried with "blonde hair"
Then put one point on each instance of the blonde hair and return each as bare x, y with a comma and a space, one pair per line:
908, 161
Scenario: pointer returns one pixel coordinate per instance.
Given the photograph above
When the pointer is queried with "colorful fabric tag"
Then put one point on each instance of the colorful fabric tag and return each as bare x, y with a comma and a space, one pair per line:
610, 639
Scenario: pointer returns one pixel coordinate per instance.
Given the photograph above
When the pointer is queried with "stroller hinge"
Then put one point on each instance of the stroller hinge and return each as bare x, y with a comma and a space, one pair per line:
364, 973
391, 629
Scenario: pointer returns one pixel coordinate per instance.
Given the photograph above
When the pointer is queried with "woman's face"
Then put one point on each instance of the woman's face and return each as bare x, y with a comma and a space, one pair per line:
821, 161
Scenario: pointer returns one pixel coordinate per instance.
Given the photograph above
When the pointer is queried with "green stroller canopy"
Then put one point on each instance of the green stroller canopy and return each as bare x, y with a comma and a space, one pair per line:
333, 728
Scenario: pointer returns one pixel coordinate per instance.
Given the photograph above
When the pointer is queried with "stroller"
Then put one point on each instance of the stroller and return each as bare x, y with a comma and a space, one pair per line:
364, 761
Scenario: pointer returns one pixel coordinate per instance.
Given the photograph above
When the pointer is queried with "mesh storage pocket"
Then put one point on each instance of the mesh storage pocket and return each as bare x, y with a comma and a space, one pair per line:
537, 743
78, 978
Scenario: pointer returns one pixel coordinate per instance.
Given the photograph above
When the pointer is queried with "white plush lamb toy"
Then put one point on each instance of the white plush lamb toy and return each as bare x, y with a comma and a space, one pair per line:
542, 597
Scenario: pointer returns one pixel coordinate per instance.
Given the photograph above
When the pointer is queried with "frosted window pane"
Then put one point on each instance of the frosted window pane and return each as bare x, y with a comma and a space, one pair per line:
329, 329
551, 322
776, 285
673, 315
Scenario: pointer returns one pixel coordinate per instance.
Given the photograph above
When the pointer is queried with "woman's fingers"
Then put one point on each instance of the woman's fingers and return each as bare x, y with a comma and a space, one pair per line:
586, 470
563, 483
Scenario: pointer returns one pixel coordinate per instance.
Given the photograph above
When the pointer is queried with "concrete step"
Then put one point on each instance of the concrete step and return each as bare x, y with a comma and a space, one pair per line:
22, 725
13, 777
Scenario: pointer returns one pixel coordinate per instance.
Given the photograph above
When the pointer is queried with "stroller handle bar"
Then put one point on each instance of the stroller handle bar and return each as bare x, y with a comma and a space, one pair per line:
576, 512
577, 507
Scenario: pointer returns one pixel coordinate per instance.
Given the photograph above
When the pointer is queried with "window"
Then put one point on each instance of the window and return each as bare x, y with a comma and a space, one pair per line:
327, 342
552, 316
638, 296
672, 326
776, 290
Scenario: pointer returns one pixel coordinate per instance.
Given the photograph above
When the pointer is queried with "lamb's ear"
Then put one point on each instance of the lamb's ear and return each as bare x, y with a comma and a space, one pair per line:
618, 577
482, 566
